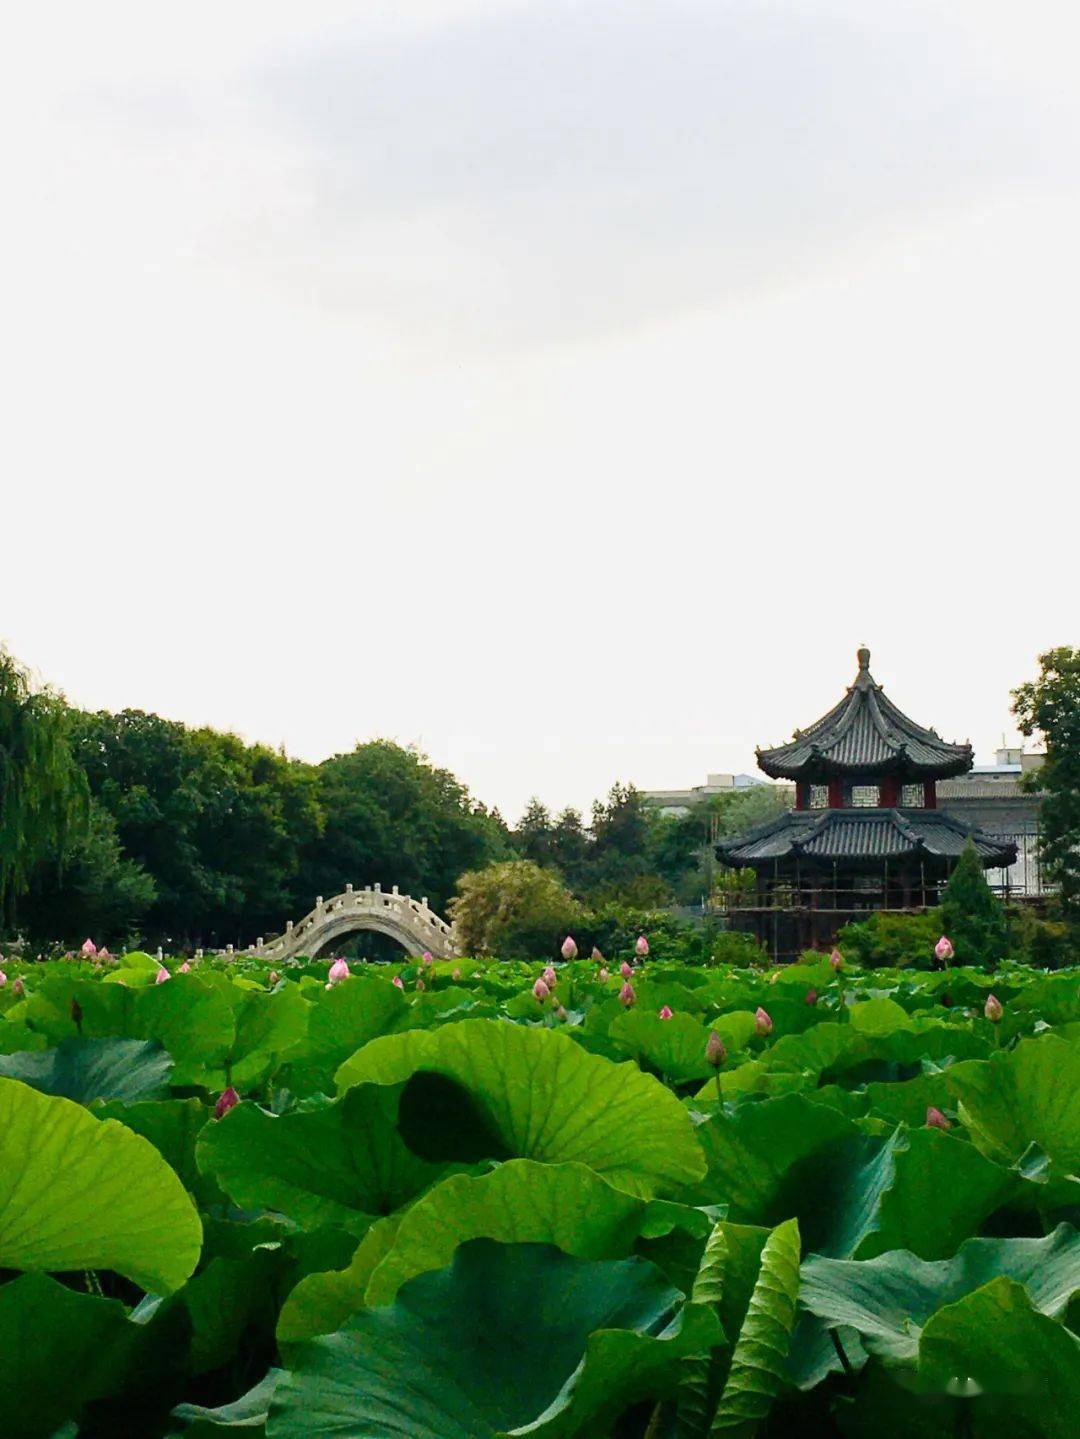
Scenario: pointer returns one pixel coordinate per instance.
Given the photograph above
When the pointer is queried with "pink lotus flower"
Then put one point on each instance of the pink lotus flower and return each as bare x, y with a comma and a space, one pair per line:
641, 946
762, 1022
103, 953
666, 1012
272, 978
836, 959
185, 968
715, 1053
540, 990
18, 987
3, 979
426, 957
811, 996
162, 975
420, 983
569, 948
88, 947
625, 969
397, 982
602, 975
339, 970
627, 995
550, 977
944, 950
228, 1100
935, 1119
559, 1012
597, 957
993, 1009
455, 975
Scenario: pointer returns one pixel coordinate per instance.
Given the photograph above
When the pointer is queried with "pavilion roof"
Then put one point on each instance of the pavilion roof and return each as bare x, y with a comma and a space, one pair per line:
859, 835
865, 734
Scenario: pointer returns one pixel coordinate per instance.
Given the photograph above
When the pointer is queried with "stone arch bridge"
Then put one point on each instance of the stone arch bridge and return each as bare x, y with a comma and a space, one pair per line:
410, 921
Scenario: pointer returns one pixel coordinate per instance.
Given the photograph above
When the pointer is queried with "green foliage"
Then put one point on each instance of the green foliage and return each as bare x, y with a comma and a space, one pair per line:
971, 914
43, 796
892, 940
1049, 706
513, 909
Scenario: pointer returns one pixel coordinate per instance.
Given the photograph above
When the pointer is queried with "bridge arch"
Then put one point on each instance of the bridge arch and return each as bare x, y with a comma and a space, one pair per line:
411, 922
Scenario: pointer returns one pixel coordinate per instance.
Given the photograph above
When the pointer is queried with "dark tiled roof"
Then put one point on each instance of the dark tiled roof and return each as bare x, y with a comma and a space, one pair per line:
865, 734
862, 834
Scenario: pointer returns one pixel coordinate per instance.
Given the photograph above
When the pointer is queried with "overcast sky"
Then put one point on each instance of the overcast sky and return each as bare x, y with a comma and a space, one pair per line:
567, 387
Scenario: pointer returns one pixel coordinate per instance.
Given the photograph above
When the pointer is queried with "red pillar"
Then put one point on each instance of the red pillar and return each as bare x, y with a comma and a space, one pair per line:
836, 793
929, 790
802, 794
890, 792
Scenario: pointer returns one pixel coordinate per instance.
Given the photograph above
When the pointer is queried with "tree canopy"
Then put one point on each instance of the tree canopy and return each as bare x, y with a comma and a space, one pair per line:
1049, 706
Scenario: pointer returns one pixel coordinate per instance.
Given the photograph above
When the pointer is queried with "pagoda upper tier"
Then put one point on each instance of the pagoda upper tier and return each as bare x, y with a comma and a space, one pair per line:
865, 735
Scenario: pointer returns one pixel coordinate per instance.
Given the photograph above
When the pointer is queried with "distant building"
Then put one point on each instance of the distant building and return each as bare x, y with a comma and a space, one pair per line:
682, 801
992, 797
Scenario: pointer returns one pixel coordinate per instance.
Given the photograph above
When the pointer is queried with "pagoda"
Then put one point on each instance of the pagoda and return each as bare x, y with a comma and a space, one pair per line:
865, 832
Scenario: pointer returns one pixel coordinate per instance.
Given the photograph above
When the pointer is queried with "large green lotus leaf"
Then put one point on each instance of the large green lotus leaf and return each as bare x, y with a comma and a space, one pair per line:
1025, 1096
520, 1202
674, 1047
341, 1020
1026, 1364
16, 1037
545, 1098
267, 1026
750, 1153
88, 1069
83, 1193
338, 1165
890, 1298
107, 1010
831, 1048
508, 1337
193, 1020
879, 1016
756, 1374
172, 1126
60, 1351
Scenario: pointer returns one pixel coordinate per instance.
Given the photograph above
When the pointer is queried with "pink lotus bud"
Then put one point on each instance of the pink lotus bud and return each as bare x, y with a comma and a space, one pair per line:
272, 978
103, 953
339, 970
627, 995
185, 968
540, 990
597, 957
569, 948
18, 987
603, 976
3, 979
762, 1022
993, 1009
550, 977
811, 997
625, 970
641, 946
426, 957
397, 981
162, 975
455, 975
229, 1098
715, 1053
836, 959
559, 1012
944, 950
666, 1011
420, 983
88, 947
935, 1119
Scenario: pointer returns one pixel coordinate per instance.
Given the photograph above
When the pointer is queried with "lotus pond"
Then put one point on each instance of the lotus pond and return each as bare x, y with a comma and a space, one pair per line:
440, 1200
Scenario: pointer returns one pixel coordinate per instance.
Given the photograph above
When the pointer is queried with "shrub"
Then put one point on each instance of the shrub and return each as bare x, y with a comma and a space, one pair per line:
515, 910
892, 940
972, 916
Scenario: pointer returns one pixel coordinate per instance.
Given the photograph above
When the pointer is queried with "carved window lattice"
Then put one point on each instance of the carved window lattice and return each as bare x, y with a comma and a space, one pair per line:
819, 796
912, 796
864, 796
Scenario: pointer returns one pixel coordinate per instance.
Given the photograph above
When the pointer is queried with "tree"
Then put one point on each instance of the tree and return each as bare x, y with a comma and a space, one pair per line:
43, 795
1050, 707
515, 910
533, 839
971, 915
393, 818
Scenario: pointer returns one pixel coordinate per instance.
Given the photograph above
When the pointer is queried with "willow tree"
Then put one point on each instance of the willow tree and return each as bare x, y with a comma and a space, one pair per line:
44, 802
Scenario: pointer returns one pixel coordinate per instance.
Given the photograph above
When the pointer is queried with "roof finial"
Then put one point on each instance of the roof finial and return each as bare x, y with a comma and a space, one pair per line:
864, 659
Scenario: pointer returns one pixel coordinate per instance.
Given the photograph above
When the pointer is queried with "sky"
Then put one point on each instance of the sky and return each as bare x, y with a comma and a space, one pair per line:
567, 388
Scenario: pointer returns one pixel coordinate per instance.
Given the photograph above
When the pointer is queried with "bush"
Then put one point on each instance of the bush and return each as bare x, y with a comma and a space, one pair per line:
515, 910
972, 916
892, 940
